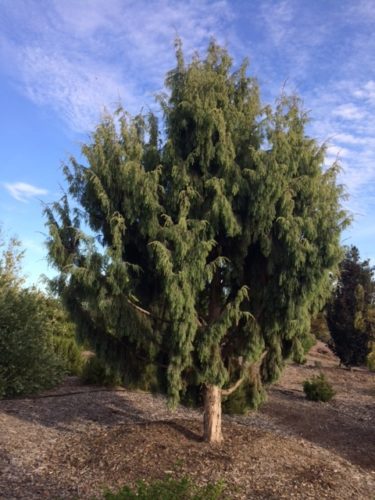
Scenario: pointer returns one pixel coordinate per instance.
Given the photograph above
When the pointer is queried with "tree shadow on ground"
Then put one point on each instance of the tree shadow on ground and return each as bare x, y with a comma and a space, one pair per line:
72, 405
181, 429
329, 426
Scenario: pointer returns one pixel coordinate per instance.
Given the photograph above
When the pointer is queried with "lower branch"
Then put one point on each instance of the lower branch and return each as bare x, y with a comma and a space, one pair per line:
148, 313
230, 390
234, 387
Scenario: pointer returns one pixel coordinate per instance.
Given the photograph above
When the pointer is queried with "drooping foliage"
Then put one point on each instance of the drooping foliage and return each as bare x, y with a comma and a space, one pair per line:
209, 244
59, 327
319, 327
350, 312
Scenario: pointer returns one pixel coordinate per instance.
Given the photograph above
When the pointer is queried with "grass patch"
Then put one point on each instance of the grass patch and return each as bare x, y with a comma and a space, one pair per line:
168, 489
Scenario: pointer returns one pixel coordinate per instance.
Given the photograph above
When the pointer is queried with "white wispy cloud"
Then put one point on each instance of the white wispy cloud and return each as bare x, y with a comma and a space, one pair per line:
362, 10
21, 191
367, 92
349, 112
344, 138
338, 152
349, 127
78, 57
280, 22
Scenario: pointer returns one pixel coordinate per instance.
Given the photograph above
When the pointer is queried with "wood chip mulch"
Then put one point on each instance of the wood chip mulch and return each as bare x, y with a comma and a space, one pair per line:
76, 441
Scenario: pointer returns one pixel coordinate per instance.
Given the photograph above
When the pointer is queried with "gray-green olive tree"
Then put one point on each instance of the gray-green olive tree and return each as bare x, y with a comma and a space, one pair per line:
211, 242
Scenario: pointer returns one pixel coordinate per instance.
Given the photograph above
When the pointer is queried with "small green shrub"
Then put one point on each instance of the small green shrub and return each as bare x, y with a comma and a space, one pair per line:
168, 489
96, 372
318, 389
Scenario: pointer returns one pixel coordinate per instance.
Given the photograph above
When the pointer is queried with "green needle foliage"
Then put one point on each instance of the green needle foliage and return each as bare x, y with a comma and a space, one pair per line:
210, 244
318, 389
350, 313
63, 334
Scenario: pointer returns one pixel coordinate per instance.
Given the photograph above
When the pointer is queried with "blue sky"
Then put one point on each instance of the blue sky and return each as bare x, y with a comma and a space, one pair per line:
63, 61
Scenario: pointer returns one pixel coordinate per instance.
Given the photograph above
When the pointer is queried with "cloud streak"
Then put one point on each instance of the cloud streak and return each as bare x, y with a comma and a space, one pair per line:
79, 57
327, 55
21, 191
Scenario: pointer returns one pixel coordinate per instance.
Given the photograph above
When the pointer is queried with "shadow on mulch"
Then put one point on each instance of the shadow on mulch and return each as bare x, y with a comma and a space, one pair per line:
325, 426
185, 431
59, 412
63, 407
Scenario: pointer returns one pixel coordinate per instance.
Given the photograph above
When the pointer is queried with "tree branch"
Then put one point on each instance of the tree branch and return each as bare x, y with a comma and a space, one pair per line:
140, 309
148, 313
230, 390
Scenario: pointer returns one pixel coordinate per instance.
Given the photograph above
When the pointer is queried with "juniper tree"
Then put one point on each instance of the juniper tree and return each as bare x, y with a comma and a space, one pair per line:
211, 242
349, 313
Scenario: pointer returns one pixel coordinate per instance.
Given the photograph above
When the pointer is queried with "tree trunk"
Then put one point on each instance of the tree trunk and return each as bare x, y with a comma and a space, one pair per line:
212, 414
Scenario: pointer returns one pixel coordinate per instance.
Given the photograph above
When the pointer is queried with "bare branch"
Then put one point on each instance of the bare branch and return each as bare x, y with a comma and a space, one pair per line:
148, 313
140, 309
230, 390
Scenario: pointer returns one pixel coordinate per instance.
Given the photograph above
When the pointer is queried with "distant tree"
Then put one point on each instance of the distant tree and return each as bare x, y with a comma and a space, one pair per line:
349, 312
211, 243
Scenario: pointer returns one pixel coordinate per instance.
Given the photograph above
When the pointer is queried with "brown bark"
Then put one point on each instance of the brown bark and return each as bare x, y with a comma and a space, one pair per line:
212, 414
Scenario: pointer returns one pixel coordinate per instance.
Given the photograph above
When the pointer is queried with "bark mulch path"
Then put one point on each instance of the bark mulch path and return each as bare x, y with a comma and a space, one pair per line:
79, 440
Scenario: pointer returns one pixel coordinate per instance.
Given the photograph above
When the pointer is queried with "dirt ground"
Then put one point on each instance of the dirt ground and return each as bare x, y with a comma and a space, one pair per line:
76, 441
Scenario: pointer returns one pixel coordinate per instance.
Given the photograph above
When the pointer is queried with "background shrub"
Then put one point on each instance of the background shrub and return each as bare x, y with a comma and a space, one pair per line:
28, 362
37, 341
318, 389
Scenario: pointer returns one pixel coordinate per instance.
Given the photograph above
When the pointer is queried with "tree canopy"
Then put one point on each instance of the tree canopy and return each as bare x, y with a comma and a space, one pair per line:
212, 232
350, 313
